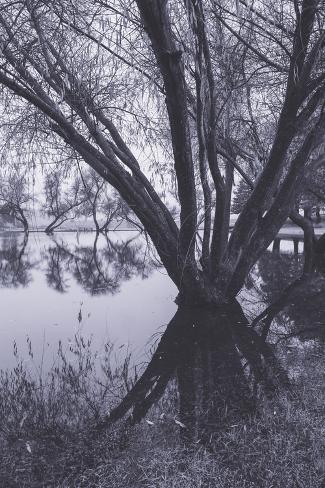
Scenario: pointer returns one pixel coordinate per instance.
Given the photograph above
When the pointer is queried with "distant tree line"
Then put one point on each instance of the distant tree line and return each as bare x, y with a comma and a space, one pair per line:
66, 197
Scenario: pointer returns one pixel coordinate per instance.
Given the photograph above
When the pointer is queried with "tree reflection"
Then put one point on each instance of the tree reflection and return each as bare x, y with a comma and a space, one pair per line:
15, 264
277, 271
58, 260
100, 268
220, 359
217, 360
297, 298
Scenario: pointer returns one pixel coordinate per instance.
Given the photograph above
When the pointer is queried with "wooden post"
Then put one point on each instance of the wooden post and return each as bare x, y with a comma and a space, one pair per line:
276, 245
295, 245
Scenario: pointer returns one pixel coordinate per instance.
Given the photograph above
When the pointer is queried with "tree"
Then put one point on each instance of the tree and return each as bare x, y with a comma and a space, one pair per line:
241, 195
312, 195
61, 203
98, 202
187, 78
15, 196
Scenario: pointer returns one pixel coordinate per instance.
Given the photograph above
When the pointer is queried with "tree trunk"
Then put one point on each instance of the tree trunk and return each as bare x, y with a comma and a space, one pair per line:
296, 246
307, 213
26, 227
57, 222
51, 227
20, 215
276, 245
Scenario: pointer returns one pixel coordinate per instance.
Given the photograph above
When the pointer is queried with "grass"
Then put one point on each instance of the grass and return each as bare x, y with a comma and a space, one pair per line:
283, 447
46, 438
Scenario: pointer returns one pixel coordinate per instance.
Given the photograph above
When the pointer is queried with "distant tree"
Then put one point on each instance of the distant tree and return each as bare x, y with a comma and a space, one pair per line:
61, 201
241, 194
15, 196
99, 202
312, 196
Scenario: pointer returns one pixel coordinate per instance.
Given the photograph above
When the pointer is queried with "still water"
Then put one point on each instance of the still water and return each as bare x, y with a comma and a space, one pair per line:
112, 289
53, 287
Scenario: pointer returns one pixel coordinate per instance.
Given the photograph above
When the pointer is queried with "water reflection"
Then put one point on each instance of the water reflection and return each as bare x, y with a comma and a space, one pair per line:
57, 260
218, 360
15, 261
99, 268
277, 271
215, 354
298, 302
102, 270
124, 296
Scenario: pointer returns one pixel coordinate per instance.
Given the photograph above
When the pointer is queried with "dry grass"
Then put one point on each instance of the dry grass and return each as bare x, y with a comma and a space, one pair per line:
46, 441
281, 448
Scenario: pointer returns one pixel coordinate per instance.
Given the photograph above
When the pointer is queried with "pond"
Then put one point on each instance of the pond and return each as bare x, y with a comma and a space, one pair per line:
53, 287
111, 288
